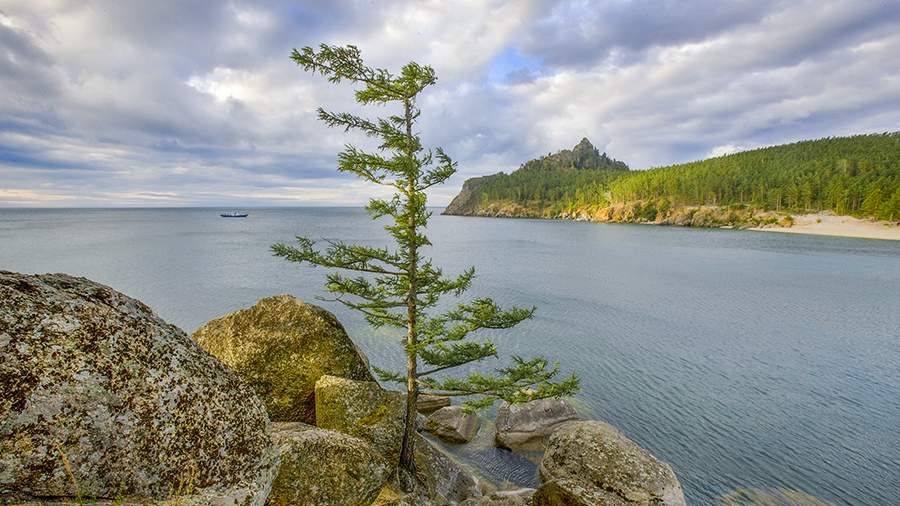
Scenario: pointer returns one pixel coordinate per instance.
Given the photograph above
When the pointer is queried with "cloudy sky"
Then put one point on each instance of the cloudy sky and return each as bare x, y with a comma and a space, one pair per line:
139, 103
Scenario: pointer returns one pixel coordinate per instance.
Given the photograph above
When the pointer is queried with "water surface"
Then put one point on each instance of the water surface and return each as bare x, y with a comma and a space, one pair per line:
745, 359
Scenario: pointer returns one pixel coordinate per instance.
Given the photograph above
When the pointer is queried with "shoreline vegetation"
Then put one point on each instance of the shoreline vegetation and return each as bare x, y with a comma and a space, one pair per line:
847, 186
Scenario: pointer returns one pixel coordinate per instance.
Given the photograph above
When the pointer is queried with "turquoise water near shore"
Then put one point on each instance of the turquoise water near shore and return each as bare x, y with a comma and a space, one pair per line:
744, 359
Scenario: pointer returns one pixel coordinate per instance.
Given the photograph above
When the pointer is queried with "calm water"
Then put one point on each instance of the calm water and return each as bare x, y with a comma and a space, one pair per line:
744, 359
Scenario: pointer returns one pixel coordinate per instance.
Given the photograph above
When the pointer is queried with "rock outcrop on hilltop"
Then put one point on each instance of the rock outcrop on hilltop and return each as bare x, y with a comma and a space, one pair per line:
592, 462
99, 398
281, 346
562, 167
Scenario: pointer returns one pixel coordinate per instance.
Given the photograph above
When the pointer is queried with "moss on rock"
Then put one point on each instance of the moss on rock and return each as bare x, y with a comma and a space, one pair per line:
281, 347
362, 409
589, 460
325, 468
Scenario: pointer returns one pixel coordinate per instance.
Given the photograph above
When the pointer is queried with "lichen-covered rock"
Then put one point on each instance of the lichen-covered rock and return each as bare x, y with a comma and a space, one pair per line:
281, 346
362, 409
589, 461
527, 426
428, 403
101, 398
444, 476
520, 497
452, 424
325, 468
573, 493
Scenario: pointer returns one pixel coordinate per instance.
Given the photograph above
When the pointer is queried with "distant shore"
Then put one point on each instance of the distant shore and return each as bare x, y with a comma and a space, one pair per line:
842, 226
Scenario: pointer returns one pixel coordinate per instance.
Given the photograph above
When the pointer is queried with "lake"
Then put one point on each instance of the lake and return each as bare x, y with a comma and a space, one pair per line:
744, 359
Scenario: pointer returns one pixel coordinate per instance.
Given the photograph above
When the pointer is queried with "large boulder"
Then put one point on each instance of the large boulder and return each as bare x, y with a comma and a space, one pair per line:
281, 347
452, 424
325, 468
593, 463
100, 398
528, 426
362, 409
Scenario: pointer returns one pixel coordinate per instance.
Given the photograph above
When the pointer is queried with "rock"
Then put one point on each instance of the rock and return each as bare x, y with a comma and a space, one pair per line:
443, 475
281, 346
427, 403
528, 426
573, 493
452, 424
362, 409
593, 463
520, 497
100, 398
325, 468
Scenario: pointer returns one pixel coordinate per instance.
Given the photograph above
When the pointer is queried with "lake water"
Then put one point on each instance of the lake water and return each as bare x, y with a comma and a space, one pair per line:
744, 359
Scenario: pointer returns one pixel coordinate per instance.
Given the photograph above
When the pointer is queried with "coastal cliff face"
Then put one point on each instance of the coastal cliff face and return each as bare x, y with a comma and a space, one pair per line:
465, 204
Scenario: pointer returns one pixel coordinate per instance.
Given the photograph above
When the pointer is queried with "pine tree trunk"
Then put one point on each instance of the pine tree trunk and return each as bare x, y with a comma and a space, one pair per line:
407, 473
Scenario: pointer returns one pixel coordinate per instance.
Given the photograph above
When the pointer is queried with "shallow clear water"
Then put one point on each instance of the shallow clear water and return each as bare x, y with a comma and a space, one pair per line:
745, 359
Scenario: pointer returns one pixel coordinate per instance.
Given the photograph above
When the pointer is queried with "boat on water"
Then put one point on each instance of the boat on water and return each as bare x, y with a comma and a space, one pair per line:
234, 214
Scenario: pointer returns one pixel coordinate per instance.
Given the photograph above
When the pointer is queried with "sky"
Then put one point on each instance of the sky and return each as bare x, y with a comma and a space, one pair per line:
196, 103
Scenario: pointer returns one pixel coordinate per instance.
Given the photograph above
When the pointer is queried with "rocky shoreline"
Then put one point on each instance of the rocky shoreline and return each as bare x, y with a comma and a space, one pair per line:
102, 402
730, 217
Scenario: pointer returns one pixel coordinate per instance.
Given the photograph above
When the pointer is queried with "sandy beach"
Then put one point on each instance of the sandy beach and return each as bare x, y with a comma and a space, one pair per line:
844, 226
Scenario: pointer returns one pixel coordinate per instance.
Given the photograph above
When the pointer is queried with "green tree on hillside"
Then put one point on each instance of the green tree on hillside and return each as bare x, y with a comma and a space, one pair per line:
400, 287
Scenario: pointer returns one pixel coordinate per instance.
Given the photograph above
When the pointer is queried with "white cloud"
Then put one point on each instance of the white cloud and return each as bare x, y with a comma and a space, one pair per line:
137, 103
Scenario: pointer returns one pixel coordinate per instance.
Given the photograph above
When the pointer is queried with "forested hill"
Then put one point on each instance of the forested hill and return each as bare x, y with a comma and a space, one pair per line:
543, 180
857, 175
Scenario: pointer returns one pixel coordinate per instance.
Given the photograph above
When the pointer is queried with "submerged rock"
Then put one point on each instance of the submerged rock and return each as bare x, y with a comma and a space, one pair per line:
527, 426
444, 476
362, 409
452, 424
594, 463
520, 497
100, 398
281, 346
325, 468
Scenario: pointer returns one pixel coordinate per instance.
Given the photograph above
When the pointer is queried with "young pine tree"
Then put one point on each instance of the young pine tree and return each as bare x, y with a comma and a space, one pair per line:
400, 287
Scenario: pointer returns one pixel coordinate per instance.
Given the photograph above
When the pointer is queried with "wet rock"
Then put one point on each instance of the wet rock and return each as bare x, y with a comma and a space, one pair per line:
281, 346
520, 497
325, 468
593, 463
452, 424
444, 476
527, 426
100, 398
362, 409
427, 403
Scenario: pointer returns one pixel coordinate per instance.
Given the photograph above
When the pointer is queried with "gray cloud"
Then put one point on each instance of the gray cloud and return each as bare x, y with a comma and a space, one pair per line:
143, 103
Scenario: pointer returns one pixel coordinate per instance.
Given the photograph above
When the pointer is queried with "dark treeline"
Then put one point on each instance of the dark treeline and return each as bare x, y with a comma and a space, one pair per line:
857, 175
